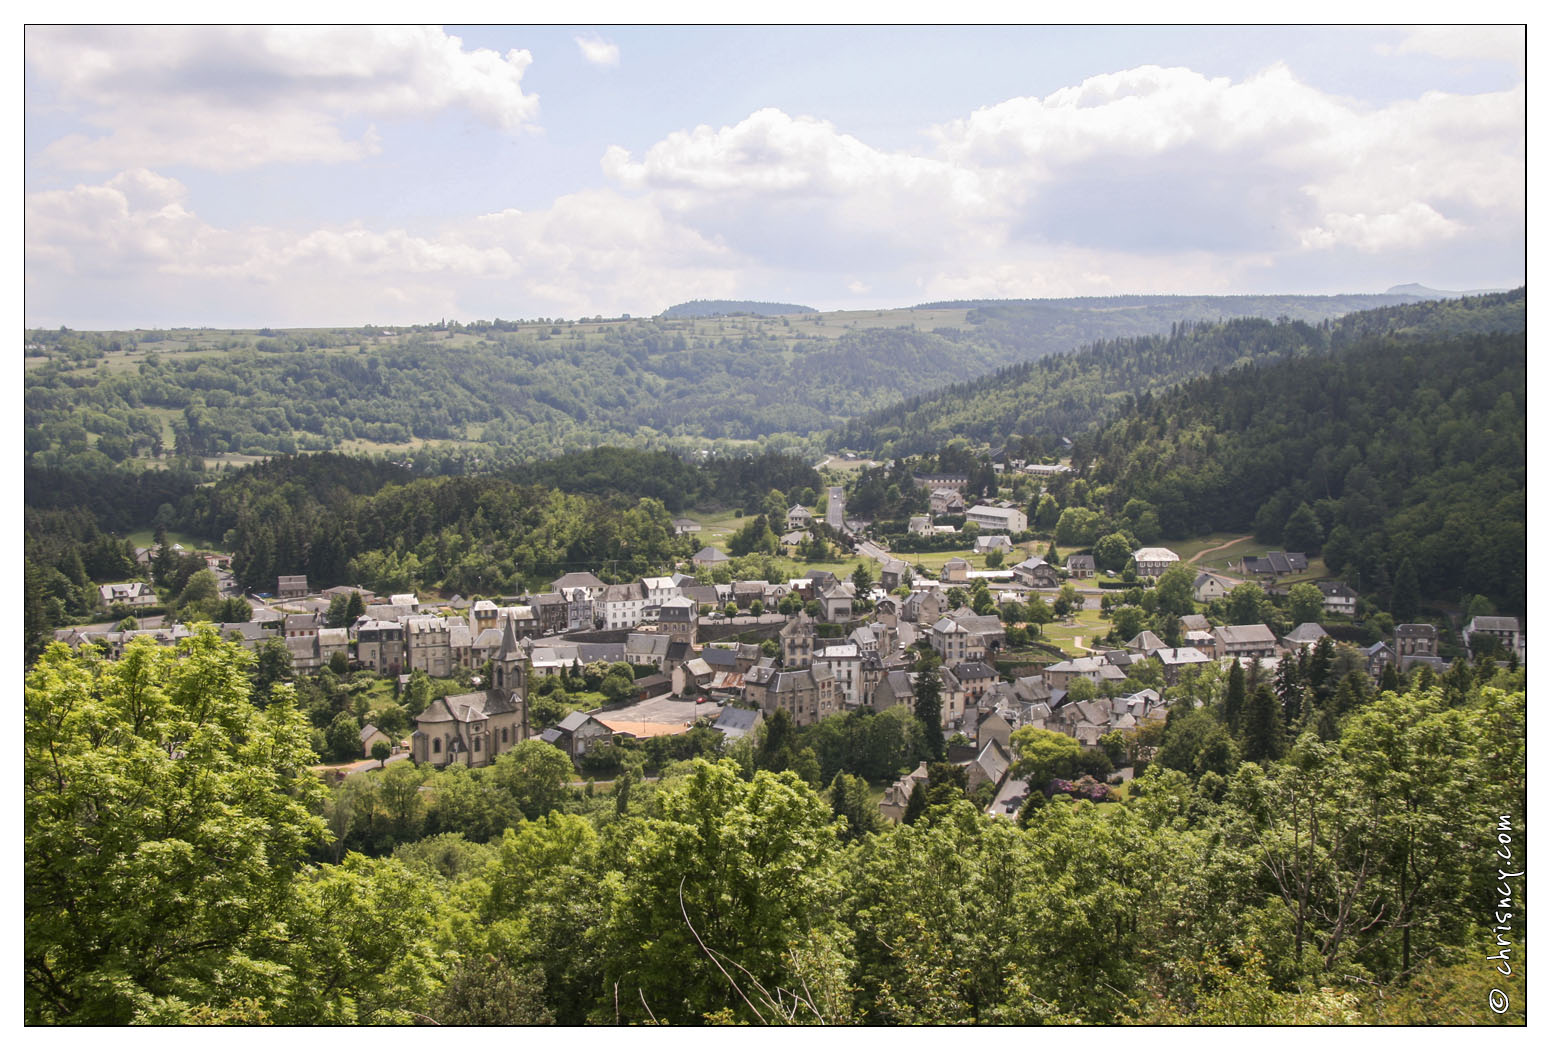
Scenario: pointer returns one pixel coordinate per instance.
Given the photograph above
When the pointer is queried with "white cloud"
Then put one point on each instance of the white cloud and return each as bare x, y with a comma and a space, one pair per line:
1150, 178
1463, 43
226, 98
1146, 180
1414, 225
597, 51
588, 253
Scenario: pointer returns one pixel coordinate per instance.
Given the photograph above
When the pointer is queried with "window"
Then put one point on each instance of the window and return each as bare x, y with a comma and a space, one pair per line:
478, 743
436, 745
505, 734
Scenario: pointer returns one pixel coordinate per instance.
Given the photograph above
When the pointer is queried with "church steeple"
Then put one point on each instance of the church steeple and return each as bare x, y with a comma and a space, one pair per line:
509, 663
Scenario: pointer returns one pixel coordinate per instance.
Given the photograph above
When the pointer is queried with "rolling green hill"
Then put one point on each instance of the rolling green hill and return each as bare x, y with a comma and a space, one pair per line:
1030, 406
1409, 450
524, 391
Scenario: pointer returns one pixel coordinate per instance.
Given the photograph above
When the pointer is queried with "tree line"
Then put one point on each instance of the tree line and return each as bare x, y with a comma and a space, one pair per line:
182, 866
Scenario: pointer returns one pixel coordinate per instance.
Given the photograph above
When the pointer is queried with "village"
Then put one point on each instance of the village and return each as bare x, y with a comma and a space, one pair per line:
730, 654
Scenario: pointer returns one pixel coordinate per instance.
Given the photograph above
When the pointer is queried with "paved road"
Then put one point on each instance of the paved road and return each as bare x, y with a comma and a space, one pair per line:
868, 549
368, 764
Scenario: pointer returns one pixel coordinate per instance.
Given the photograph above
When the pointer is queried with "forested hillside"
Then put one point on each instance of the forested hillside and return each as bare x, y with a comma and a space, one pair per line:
1032, 405
1410, 451
523, 391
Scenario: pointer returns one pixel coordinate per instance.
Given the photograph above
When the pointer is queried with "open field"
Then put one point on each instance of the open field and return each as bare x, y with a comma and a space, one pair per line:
1088, 624
934, 560
147, 537
716, 527
1217, 560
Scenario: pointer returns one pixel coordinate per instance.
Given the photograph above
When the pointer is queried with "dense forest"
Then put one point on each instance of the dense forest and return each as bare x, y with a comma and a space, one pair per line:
183, 866
1030, 406
1411, 452
529, 391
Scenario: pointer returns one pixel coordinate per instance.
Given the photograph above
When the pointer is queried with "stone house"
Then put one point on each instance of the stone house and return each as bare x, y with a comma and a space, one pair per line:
428, 646
1152, 561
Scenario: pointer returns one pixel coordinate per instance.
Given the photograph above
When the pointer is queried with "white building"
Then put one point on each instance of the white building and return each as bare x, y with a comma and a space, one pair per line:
1152, 561
1002, 519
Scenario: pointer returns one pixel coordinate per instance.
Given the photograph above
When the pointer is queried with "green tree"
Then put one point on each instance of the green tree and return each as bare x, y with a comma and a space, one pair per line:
362, 939
1233, 700
233, 610
850, 799
1247, 603
533, 776
1305, 603
344, 738
484, 989
729, 899
1045, 513
1127, 622
1263, 727
1077, 527
272, 667
381, 750
928, 708
1195, 742
1175, 590
1041, 755
617, 687
338, 615
862, 578
1302, 531
1112, 552
1405, 601
200, 596
164, 821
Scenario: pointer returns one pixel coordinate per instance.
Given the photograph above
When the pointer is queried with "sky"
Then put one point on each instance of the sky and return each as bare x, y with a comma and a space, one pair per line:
251, 176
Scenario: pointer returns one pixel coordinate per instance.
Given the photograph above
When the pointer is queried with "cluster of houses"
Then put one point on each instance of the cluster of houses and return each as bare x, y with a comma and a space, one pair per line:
673, 629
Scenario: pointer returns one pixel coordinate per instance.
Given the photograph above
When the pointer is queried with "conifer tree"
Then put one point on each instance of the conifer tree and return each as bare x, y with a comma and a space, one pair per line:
1263, 727
1233, 703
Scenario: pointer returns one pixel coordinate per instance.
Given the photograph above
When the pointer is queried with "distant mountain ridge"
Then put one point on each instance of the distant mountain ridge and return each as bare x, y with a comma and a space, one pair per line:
1423, 292
721, 307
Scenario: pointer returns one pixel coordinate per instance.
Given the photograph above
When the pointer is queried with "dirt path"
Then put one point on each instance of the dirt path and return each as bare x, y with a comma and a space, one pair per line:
1207, 551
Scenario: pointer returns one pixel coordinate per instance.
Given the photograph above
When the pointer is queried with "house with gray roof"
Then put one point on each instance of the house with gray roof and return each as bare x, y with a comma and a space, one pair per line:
1416, 640
579, 732
1304, 636
1504, 629
807, 695
894, 687
707, 557
1275, 564
134, 594
1245, 640
1152, 561
1035, 572
1338, 597
1209, 587
736, 723
1080, 566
